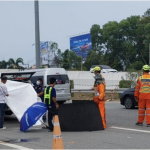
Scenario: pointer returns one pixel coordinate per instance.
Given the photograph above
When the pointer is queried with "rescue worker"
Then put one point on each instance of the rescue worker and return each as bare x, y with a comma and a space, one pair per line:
142, 96
99, 97
50, 101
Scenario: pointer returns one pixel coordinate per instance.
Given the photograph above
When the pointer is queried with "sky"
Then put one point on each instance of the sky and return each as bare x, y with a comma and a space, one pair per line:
59, 20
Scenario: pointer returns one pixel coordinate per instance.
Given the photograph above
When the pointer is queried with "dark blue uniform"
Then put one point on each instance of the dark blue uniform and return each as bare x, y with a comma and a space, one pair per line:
39, 89
51, 108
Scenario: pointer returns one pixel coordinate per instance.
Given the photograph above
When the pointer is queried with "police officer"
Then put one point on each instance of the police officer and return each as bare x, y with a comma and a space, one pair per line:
39, 88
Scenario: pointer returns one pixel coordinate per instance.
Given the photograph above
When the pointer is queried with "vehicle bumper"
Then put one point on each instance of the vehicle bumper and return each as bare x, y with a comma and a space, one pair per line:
121, 101
63, 97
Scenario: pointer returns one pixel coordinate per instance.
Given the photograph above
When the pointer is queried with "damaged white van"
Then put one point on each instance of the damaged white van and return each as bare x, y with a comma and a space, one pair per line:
63, 88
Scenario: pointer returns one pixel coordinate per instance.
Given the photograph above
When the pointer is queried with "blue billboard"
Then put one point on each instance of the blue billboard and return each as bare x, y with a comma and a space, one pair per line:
44, 52
81, 45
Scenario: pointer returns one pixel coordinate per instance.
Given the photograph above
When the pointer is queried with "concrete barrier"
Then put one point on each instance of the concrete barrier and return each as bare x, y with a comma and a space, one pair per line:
80, 116
85, 79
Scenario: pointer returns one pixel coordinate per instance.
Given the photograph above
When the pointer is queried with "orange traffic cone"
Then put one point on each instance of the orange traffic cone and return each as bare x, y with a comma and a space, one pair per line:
57, 137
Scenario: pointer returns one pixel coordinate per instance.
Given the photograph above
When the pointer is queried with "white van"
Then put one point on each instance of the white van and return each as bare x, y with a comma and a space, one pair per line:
63, 89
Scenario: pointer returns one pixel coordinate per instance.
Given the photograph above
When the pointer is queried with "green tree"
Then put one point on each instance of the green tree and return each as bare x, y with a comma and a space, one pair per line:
70, 61
65, 60
3, 64
58, 58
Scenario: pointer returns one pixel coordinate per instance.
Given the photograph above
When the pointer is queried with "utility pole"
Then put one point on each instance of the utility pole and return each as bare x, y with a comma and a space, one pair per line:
37, 34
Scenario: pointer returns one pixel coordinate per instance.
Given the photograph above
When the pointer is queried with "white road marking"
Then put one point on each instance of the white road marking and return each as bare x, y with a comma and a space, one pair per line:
129, 129
14, 146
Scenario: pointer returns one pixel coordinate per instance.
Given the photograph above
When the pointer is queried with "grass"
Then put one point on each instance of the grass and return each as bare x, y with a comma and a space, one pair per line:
89, 96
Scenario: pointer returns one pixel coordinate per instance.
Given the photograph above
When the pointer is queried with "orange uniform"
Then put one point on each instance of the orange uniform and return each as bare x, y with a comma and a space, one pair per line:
100, 101
142, 94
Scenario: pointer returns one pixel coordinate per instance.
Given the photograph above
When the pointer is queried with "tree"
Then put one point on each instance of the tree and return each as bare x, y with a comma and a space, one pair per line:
74, 60
95, 32
15, 64
65, 60
58, 58
3, 64
70, 61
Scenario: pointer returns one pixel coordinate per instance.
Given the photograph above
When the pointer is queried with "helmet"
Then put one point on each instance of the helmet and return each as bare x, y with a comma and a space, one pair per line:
146, 68
96, 69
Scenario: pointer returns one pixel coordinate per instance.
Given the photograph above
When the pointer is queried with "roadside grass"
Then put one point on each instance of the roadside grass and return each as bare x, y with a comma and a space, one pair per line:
89, 96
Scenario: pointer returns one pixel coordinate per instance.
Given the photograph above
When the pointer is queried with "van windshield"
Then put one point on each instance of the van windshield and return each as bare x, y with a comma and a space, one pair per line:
34, 79
60, 79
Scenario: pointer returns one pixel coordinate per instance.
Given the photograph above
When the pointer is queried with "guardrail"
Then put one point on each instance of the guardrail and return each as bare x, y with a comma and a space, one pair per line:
121, 90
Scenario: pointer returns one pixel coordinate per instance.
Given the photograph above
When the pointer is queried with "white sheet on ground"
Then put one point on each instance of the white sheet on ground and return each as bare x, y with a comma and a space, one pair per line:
21, 97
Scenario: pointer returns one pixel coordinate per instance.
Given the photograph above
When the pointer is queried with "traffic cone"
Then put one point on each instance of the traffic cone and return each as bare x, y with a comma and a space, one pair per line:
57, 137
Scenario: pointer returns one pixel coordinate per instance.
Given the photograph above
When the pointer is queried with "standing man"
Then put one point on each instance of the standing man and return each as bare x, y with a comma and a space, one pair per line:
39, 88
142, 96
50, 101
3, 94
99, 87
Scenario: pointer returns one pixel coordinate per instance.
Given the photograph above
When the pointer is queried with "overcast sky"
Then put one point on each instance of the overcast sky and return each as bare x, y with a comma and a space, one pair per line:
58, 21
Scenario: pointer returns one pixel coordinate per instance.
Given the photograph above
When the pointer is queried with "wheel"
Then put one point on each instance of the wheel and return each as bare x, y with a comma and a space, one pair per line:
128, 103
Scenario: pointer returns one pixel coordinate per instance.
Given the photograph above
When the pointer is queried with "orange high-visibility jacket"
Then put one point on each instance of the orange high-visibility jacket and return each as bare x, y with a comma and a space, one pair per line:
101, 90
142, 89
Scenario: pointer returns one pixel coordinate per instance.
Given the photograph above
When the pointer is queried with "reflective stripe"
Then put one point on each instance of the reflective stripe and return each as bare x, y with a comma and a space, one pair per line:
148, 108
56, 124
141, 109
148, 114
137, 85
136, 89
57, 136
145, 80
141, 114
145, 87
145, 91
47, 95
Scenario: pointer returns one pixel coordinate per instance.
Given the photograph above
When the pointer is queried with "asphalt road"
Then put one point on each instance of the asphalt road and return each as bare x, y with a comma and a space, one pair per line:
121, 133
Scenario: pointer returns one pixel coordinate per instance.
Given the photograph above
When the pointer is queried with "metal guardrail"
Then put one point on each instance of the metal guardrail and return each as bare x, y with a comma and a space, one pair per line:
121, 90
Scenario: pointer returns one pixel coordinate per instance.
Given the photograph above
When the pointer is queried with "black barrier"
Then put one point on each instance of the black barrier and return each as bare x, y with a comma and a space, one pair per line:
80, 116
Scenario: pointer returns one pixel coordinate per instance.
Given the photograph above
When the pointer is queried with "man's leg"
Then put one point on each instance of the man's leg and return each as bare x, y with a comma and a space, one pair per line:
2, 114
101, 106
44, 117
50, 117
148, 111
141, 112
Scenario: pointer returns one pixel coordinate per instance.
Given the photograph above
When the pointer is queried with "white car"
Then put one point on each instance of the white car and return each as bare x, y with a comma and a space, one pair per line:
104, 69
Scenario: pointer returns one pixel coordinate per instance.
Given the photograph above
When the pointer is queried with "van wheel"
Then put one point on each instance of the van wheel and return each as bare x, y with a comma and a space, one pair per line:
60, 102
128, 103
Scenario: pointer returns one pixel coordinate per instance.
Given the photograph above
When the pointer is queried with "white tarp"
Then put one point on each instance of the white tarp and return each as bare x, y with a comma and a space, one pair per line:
21, 97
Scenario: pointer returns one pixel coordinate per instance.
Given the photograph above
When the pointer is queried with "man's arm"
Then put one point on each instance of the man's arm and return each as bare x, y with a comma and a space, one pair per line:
55, 102
136, 93
40, 94
101, 91
5, 90
54, 98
